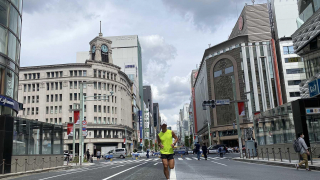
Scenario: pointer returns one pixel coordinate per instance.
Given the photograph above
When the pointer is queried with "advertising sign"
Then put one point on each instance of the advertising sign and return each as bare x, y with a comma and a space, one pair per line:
313, 88
241, 109
84, 127
76, 117
70, 129
140, 124
5, 101
315, 110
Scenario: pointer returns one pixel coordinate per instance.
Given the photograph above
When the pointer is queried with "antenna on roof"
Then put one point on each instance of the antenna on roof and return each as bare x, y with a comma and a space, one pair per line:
100, 34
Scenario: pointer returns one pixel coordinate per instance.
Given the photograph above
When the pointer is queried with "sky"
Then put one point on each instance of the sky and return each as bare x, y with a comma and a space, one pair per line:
173, 35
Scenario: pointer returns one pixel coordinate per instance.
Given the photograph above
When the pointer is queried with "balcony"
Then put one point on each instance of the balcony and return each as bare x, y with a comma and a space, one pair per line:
98, 136
115, 136
107, 136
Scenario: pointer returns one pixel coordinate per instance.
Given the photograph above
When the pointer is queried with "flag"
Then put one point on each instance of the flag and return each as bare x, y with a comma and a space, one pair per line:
241, 109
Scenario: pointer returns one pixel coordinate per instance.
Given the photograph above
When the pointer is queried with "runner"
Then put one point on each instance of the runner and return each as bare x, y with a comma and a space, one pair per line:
166, 147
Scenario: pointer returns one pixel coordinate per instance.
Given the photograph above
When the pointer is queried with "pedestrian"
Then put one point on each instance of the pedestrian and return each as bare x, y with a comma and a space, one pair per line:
204, 151
221, 149
88, 155
148, 153
98, 155
198, 150
166, 147
303, 151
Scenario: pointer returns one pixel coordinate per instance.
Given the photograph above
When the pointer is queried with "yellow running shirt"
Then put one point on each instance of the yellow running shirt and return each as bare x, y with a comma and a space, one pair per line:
166, 141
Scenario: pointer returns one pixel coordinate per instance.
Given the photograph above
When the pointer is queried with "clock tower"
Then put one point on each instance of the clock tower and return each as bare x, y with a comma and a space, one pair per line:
100, 49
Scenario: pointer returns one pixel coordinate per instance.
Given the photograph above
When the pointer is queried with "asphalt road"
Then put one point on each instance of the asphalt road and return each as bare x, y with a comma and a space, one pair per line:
186, 167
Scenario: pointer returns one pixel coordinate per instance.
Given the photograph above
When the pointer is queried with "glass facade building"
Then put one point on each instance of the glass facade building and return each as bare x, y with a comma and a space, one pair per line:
306, 9
10, 43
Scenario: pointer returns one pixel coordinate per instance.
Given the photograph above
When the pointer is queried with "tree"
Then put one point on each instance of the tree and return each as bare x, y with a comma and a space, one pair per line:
156, 147
191, 140
146, 144
186, 141
151, 144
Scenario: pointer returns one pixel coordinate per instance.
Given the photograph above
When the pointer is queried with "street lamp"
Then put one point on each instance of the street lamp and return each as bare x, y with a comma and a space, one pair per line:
82, 100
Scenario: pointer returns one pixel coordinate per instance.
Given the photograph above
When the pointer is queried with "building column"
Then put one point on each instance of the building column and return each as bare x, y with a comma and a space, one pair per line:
120, 145
90, 147
102, 134
111, 133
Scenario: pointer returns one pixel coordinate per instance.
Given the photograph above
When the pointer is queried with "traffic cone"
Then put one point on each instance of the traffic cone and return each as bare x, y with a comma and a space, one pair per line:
111, 159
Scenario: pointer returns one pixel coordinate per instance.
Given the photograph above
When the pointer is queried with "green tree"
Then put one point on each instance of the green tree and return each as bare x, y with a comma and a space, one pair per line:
146, 145
186, 141
151, 144
191, 140
156, 147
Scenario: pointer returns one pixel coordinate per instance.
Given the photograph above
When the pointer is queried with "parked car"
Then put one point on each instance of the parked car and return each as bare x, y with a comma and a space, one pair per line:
182, 150
108, 155
214, 149
194, 151
229, 150
190, 151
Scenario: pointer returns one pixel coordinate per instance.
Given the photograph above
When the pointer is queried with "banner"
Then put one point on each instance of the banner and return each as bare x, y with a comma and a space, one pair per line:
84, 127
76, 117
70, 129
140, 124
241, 109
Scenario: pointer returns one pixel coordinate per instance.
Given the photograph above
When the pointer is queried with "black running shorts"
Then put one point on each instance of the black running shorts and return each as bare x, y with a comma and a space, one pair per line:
167, 156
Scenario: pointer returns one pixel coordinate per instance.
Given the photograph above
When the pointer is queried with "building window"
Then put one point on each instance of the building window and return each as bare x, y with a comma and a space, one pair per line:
37, 99
56, 84
99, 108
104, 109
70, 97
56, 109
48, 87
48, 74
95, 108
60, 85
24, 99
51, 120
25, 76
71, 73
32, 111
75, 73
38, 87
104, 120
52, 98
55, 120
99, 85
75, 96
288, 50
52, 86
28, 111
295, 71
60, 121
108, 109
70, 119
294, 94
75, 85
99, 120
47, 110
29, 87
85, 108
218, 73
60, 109
95, 120
28, 99
51, 109
94, 73
84, 73
47, 120
108, 120
70, 84
48, 99
24, 88
37, 110
294, 82
95, 85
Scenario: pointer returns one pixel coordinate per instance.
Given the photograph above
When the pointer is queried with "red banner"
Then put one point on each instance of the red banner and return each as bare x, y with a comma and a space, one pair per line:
76, 117
124, 141
70, 129
241, 109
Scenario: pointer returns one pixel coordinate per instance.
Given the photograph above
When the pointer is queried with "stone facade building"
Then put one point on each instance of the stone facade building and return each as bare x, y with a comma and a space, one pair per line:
49, 92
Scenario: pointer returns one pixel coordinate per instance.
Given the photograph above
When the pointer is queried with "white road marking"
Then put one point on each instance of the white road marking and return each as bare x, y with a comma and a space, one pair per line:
173, 174
188, 159
156, 163
122, 171
180, 159
219, 163
117, 166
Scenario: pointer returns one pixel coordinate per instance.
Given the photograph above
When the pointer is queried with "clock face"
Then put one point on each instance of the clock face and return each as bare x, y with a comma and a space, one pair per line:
104, 48
93, 49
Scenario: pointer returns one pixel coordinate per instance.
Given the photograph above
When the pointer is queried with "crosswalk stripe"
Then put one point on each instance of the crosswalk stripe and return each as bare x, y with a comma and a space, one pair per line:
188, 159
180, 159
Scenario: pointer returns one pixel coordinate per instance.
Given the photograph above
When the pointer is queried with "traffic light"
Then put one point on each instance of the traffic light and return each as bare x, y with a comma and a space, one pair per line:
213, 104
210, 103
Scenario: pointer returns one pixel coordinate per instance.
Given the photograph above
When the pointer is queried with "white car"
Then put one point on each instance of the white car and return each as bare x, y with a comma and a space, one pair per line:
230, 150
190, 151
140, 154
213, 151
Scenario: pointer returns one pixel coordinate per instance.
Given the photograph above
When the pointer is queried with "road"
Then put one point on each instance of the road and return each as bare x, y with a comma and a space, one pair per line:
186, 168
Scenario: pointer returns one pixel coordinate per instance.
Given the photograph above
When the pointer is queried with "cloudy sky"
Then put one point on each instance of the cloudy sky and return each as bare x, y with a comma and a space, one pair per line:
173, 35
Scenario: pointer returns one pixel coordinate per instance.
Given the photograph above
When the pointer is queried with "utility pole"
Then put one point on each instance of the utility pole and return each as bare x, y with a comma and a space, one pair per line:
209, 133
237, 113
74, 137
80, 123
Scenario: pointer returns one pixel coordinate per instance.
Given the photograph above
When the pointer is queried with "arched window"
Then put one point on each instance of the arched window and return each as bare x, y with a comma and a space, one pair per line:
104, 53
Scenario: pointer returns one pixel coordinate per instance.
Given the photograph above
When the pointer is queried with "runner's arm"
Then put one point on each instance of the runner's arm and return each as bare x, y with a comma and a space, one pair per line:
175, 138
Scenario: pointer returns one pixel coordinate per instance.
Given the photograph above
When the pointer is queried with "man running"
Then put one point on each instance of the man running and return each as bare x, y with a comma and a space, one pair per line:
166, 147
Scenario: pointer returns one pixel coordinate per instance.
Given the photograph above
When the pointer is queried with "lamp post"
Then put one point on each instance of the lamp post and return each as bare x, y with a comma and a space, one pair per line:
82, 100
251, 99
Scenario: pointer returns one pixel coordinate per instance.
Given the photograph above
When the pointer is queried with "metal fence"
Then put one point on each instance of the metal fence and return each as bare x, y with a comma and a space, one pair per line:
281, 153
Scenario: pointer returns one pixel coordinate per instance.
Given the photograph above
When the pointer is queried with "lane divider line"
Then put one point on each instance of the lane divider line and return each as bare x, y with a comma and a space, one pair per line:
173, 175
122, 171
219, 163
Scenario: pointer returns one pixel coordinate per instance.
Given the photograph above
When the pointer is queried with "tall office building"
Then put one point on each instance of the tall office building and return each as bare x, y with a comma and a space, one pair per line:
283, 15
126, 53
147, 98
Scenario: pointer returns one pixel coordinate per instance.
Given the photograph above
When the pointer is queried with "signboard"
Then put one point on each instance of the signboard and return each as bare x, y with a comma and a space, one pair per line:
315, 110
84, 127
76, 117
70, 129
313, 88
241, 109
222, 101
8, 102
140, 124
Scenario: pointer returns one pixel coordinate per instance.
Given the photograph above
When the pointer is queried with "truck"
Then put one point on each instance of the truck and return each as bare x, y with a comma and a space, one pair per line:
106, 149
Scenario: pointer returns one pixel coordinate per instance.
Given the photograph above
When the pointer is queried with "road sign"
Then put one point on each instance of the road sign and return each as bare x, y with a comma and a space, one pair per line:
222, 101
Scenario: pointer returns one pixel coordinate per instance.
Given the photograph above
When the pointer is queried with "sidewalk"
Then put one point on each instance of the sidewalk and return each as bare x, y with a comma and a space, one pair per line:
64, 167
277, 162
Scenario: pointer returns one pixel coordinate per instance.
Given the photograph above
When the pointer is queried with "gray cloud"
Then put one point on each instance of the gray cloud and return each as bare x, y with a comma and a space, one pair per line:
208, 14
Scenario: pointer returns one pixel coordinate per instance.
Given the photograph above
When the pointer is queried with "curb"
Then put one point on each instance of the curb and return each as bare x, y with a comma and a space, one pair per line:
38, 171
312, 167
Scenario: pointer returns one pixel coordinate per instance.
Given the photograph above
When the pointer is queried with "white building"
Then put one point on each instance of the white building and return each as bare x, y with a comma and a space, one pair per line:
54, 89
291, 66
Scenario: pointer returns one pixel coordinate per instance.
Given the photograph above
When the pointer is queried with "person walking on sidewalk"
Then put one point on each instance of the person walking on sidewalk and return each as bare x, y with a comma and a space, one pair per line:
205, 150
88, 155
166, 147
303, 151
198, 150
220, 150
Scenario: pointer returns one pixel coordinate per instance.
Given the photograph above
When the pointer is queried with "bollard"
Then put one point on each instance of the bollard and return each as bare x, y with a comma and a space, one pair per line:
111, 159
3, 161
258, 154
267, 153
34, 161
262, 154
252, 154
16, 165
25, 165
249, 153
289, 155
274, 157
50, 162
42, 162
280, 154
311, 156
